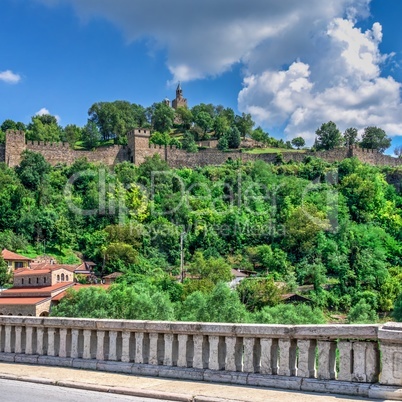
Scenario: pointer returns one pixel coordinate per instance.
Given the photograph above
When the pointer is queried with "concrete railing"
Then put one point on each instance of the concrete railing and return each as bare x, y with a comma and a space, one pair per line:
324, 358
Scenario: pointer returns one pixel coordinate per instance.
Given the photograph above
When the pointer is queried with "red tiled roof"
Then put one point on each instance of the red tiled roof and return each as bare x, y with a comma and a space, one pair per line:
35, 291
40, 270
53, 267
10, 256
22, 300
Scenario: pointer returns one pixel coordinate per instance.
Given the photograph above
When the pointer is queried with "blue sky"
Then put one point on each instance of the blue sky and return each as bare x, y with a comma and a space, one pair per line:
293, 65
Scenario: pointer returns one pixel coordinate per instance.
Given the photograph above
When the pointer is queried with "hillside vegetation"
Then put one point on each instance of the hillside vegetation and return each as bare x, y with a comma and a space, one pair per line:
331, 232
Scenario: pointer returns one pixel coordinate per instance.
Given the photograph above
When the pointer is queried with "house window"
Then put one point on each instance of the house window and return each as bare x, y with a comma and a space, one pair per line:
19, 265
58, 278
44, 279
29, 281
66, 278
22, 281
9, 263
62, 277
37, 280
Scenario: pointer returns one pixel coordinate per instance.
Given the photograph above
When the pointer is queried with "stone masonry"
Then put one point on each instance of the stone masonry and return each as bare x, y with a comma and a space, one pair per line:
139, 148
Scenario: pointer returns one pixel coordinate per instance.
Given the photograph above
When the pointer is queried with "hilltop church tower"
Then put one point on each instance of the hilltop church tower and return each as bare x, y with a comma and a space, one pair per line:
179, 101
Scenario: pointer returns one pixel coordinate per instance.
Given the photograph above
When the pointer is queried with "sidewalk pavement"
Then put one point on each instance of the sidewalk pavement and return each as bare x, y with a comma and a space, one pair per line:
158, 388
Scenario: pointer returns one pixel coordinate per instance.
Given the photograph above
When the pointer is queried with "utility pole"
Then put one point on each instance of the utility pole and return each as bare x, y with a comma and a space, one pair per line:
182, 256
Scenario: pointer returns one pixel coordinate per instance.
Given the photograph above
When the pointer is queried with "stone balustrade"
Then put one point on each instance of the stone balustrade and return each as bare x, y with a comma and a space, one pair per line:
325, 358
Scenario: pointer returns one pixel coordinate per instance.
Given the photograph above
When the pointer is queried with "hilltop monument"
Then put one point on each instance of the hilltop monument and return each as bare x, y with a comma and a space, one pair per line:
180, 101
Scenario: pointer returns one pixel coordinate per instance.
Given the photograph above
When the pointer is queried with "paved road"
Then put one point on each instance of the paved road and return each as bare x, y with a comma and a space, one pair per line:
18, 391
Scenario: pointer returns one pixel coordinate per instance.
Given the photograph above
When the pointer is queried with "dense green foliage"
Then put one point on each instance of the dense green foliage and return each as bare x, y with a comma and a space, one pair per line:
293, 224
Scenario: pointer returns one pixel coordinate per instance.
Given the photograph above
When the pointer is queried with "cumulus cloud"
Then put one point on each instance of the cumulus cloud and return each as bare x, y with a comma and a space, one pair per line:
9, 77
305, 62
44, 111
345, 85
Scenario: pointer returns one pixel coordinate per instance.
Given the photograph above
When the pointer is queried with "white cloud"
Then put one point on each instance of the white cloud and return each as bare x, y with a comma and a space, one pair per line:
9, 77
305, 62
345, 85
44, 112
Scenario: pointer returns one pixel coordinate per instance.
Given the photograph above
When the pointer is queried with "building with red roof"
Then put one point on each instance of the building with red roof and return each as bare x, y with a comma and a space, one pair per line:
34, 290
15, 261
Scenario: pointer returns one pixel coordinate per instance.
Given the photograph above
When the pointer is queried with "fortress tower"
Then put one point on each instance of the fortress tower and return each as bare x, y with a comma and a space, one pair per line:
179, 101
15, 146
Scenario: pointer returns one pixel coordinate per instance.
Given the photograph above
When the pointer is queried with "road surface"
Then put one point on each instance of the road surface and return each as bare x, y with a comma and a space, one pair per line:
18, 391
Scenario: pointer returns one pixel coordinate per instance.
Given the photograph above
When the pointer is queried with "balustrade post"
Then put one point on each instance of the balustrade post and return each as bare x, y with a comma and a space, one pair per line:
269, 356
125, 347
345, 360
248, 365
112, 346
28, 340
139, 348
7, 343
50, 341
326, 360
39, 341
199, 351
182, 350
287, 357
372, 362
18, 340
74, 343
153, 349
100, 345
168, 357
230, 361
86, 353
306, 362
63, 342
214, 353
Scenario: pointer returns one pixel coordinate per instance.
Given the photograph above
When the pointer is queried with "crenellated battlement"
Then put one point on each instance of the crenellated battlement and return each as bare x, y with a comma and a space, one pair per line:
44, 144
138, 148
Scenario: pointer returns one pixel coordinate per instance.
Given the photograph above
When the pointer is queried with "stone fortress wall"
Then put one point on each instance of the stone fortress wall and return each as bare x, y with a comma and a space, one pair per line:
138, 148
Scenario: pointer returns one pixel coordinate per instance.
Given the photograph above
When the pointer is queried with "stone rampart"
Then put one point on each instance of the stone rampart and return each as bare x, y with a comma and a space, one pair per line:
359, 360
373, 157
61, 153
138, 149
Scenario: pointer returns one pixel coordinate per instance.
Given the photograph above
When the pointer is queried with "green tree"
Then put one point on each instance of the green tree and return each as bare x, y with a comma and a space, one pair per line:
162, 117
185, 117
375, 138
115, 119
223, 144
244, 124
362, 313
350, 136
72, 134
328, 136
256, 293
260, 135
33, 170
289, 314
91, 135
204, 121
298, 142
220, 125
233, 137
397, 313
5, 274
44, 128
188, 142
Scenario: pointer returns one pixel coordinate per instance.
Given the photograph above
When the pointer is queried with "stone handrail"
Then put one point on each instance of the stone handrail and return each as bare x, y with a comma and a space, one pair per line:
329, 358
